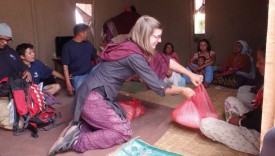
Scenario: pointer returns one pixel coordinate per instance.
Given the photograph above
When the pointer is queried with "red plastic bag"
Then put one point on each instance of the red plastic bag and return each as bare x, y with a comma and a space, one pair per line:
204, 103
191, 111
187, 114
133, 108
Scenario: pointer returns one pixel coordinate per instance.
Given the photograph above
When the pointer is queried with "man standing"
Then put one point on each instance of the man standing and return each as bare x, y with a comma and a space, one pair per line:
77, 56
10, 61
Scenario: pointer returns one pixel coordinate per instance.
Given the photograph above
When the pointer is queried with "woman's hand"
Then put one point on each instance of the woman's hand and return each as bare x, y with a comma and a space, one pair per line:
187, 92
196, 79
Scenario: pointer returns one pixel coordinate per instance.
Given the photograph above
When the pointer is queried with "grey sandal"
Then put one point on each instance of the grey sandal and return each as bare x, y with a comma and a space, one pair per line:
67, 142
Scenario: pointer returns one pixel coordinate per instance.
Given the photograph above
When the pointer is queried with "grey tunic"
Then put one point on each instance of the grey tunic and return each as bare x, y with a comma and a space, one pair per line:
112, 74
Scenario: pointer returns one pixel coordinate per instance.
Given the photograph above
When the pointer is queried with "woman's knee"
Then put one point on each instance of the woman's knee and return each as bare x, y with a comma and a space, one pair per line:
231, 101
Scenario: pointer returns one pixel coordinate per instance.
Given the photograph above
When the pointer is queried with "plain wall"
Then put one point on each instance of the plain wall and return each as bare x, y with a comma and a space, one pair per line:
230, 20
39, 22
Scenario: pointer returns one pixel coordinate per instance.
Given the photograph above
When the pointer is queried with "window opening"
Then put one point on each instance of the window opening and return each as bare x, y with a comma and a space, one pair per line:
199, 17
84, 14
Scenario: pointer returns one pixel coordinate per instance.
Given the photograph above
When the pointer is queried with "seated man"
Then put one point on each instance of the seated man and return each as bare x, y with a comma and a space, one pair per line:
10, 62
37, 68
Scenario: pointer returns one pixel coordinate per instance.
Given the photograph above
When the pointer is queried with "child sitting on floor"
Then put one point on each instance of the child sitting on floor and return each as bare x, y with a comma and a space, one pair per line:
38, 70
201, 61
172, 77
168, 50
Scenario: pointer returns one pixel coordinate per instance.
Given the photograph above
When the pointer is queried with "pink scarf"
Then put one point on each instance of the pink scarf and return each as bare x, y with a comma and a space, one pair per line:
116, 51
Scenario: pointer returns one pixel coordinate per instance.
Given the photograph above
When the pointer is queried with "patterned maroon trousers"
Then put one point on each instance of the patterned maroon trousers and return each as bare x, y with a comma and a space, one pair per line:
108, 128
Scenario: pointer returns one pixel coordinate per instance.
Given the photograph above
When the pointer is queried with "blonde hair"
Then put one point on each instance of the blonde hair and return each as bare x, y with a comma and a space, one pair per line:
142, 31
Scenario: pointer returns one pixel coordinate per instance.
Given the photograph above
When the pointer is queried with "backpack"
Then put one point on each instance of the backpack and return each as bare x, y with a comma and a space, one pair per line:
29, 103
4, 87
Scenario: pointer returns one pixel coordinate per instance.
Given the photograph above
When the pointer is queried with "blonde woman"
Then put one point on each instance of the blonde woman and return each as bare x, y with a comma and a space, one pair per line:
104, 122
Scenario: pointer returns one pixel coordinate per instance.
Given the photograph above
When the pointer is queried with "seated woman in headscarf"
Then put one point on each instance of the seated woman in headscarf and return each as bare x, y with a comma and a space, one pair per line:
237, 68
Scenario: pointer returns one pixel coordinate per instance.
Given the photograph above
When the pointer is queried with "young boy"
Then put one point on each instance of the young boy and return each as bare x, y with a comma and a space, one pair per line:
38, 70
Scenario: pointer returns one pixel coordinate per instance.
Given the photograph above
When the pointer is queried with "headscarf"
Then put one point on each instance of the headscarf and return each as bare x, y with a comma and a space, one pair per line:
245, 50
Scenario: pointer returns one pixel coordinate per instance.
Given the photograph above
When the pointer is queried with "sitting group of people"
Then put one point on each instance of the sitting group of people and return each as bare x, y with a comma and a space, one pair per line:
23, 61
242, 126
233, 73
77, 55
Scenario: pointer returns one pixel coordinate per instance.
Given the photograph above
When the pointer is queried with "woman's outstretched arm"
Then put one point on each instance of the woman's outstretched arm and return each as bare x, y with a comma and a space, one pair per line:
195, 78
